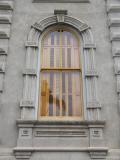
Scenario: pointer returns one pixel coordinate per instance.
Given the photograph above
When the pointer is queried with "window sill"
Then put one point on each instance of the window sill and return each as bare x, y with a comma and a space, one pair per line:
67, 121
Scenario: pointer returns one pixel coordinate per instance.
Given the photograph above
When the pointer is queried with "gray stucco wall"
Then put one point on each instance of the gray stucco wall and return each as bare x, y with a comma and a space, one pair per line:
25, 14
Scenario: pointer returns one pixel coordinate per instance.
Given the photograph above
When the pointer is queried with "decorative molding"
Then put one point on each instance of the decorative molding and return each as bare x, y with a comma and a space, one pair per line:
93, 105
114, 22
115, 36
89, 46
61, 1
4, 33
63, 12
23, 155
60, 15
5, 19
97, 133
32, 135
27, 104
88, 43
116, 52
1, 81
91, 73
2, 67
60, 149
37, 27
6, 5
60, 132
30, 72
98, 154
113, 9
31, 44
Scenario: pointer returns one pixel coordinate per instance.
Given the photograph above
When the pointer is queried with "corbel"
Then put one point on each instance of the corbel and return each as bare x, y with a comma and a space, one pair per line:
60, 15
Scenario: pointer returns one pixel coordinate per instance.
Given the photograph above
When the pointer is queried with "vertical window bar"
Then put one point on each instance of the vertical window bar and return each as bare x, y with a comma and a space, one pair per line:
51, 94
54, 94
60, 93
66, 88
47, 92
73, 94
57, 94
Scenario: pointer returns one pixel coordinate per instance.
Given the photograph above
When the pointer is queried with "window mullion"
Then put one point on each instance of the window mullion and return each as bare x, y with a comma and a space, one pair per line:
54, 95
66, 88
61, 72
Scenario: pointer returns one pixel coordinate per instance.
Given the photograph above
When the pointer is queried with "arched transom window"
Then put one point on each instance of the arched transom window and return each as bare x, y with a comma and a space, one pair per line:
60, 92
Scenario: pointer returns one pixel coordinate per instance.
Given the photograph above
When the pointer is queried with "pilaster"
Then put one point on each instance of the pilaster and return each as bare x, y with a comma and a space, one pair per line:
6, 6
113, 9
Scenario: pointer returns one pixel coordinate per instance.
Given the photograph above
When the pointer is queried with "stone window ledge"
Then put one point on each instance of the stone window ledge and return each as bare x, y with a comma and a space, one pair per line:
61, 1
60, 122
37, 149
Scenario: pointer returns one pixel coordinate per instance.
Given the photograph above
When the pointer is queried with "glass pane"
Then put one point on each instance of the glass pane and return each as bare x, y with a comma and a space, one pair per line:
52, 38
61, 85
63, 57
61, 93
63, 82
52, 57
70, 105
61, 48
63, 106
69, 57
50, 105
69, 83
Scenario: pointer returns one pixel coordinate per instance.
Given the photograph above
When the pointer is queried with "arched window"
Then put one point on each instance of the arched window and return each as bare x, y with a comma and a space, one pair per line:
61, 87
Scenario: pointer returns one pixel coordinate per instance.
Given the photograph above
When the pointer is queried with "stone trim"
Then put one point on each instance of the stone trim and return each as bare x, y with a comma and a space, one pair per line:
27, 104
22, 123
6, 5
37, 27
93, 105
5, 19
25, 155
89, 46
26, 152
30, 72
63, 12
113, 9
31, 44
4, 33
91, 74
37, 149
88, 131
115, 36
89, 50
98, 154
114, 22
61, 1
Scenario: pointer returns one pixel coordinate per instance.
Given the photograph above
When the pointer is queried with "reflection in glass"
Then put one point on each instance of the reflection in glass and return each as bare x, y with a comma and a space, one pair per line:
61, 77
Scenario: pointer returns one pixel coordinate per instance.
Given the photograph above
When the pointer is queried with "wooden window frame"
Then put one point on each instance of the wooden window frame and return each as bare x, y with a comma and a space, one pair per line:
57, 118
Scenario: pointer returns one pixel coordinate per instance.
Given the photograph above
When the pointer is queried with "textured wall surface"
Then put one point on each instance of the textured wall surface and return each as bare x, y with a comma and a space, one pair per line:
16, 18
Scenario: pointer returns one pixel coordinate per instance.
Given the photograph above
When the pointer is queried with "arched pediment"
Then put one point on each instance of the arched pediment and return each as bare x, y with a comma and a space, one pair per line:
38, 27
92, 106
